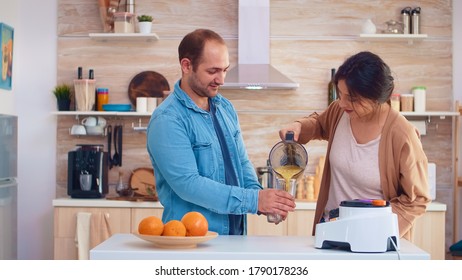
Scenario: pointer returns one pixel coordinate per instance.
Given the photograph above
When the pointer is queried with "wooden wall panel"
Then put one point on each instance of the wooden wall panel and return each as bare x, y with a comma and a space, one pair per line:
308, 38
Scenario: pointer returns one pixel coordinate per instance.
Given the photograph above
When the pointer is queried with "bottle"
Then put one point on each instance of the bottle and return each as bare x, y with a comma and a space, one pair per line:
415, 15
332, 90
406, 17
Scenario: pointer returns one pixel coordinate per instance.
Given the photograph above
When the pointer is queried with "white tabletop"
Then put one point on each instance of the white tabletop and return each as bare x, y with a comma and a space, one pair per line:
226, 247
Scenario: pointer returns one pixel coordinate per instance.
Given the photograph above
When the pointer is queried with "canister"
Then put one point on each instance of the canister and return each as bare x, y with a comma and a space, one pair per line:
395, 102
124, 22
407, 102
420, 97
102, 97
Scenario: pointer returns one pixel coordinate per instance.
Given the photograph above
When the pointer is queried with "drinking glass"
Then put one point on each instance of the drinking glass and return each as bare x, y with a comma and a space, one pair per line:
281, 184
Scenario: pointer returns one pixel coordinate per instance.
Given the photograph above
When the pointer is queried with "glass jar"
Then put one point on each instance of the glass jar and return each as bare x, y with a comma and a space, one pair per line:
124, 22
395, 101
407, 102
102, 97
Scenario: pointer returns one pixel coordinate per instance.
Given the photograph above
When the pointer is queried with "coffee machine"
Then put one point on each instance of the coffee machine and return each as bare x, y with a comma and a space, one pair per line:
87, 172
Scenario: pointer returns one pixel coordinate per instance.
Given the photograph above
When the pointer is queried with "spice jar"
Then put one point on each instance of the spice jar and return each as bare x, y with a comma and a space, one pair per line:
407, 102
419, 93
395, 102
102, 97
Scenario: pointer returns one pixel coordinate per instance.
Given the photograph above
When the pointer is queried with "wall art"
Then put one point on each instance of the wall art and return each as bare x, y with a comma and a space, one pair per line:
6, 55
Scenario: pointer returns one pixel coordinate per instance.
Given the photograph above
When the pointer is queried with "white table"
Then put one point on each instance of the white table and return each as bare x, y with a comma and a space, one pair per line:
226, 247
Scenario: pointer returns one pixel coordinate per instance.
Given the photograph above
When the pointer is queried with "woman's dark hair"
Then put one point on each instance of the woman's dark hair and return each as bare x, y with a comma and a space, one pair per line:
366, 75
192, 45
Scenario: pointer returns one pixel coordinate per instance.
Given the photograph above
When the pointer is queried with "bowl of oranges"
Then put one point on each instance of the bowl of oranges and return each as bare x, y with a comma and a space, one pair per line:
191, 230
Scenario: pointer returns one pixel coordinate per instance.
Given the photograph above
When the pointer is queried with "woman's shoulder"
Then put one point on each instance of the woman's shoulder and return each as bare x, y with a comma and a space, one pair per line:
398, 127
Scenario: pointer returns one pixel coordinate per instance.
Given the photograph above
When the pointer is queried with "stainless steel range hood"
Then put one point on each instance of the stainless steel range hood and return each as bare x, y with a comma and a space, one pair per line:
254, 70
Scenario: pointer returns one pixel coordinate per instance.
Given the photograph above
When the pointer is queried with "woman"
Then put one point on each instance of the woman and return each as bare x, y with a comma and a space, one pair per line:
373, 151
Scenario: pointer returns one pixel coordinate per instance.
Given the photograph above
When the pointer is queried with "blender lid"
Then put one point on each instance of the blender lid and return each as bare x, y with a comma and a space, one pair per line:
365, 203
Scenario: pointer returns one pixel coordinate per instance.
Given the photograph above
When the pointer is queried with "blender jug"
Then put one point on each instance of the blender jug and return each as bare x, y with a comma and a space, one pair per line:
288, 160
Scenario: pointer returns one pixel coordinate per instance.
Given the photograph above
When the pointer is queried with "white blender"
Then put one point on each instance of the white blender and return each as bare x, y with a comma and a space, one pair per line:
363, 225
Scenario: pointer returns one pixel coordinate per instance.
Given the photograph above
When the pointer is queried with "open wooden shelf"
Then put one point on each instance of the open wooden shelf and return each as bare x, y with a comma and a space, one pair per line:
150, 37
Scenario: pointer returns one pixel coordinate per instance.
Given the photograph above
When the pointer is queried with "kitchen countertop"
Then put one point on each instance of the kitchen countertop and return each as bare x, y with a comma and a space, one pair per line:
101, 202
232, 247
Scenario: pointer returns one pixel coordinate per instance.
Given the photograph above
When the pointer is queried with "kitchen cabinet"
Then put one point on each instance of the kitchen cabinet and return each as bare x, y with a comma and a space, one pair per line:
429, 230
65, 224
258, 225
137, 214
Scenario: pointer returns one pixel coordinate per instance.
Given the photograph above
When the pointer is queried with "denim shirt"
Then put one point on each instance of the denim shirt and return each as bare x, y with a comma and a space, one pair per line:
188, 162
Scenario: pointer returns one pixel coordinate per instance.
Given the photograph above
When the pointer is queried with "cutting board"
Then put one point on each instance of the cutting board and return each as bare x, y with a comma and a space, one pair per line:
147, 84
143, 181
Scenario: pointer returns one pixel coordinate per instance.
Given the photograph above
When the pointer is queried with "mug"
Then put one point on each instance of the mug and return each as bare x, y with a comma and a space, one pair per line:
78, 129
89, 121
85, 182
141, 104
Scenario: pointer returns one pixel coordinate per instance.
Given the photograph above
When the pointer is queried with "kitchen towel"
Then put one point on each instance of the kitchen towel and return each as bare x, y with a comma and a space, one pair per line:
100, 229
91, 230
82, 235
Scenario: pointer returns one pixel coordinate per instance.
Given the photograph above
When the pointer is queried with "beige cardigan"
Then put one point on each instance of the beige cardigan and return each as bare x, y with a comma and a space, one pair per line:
402, 164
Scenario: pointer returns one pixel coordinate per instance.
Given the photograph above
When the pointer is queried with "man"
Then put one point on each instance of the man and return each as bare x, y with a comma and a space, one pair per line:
196, 147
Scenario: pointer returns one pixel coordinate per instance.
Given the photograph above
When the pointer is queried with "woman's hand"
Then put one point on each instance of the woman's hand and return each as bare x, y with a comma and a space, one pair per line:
296, 127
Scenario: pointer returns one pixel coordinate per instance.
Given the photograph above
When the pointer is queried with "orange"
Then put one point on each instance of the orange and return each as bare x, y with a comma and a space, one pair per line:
196, 224
151, 225
174, 228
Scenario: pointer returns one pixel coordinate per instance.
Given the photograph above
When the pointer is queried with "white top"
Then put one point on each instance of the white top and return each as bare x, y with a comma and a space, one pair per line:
233, 247
355, 167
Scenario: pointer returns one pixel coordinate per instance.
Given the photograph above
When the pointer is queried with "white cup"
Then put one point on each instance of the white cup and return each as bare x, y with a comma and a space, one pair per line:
89, 121
78, 129
141, 104
152, 104
85, 182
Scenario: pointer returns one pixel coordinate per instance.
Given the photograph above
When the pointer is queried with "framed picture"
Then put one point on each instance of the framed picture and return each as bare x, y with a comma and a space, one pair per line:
6, 55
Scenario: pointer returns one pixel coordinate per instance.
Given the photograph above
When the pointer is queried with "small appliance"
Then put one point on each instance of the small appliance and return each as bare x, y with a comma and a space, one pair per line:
87, 174
362, 225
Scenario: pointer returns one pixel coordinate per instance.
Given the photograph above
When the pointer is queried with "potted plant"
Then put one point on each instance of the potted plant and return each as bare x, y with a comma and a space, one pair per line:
145, 23
63, 96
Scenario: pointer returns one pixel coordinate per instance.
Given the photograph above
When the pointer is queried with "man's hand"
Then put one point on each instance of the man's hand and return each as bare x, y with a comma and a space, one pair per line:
271, 201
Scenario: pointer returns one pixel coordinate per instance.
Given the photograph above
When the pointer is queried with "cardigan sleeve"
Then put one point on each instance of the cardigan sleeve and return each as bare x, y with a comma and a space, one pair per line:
407, 179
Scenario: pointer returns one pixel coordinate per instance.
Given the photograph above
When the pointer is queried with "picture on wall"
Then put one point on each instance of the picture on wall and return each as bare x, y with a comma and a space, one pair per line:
6, 55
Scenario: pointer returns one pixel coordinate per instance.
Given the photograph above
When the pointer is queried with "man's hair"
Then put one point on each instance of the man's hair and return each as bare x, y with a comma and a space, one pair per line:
192, 45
